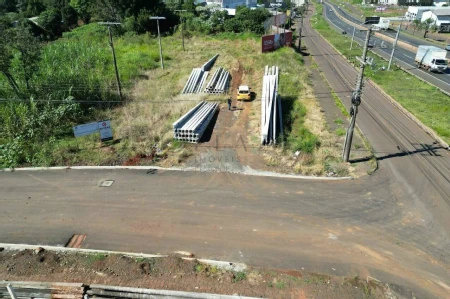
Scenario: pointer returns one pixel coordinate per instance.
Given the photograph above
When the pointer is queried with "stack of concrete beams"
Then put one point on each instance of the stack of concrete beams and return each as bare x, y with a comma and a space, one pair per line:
271, 113
191, 126
198, 77
219, 83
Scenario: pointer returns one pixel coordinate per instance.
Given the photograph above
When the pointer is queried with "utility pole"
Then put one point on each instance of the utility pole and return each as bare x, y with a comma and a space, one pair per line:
159, 36
353, 36
356, 100
303, 11
111, 44
394, 45
181, 18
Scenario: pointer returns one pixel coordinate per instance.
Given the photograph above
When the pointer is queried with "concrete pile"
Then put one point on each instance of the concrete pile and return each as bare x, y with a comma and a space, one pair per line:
198, 77
271, 112
191, 126
219, 83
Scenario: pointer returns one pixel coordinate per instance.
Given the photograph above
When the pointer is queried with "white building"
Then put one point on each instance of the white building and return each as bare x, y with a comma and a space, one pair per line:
440, 2
233, 3
439, 16
415, 12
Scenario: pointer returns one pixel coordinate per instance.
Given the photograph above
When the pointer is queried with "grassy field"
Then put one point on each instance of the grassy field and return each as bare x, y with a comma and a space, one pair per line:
355, 8
424, 101
142, 125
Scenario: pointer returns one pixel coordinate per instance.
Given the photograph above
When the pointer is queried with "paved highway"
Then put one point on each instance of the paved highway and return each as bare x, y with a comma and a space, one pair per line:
393, 225
402, 56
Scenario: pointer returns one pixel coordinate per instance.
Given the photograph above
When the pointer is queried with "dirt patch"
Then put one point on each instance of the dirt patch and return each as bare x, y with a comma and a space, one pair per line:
174, 273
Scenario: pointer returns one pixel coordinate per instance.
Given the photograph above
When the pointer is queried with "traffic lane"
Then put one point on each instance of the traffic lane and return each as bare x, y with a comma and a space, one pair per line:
414, 41
443, 79
260, 221
390, 143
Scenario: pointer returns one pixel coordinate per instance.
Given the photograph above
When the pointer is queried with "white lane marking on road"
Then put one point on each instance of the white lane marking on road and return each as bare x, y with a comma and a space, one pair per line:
408, 56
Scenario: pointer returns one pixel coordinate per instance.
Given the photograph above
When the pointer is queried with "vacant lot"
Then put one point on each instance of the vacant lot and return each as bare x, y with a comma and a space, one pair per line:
142, 123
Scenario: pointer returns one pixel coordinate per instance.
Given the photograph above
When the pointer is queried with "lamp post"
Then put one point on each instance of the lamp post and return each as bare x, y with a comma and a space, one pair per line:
159, 37
395, 44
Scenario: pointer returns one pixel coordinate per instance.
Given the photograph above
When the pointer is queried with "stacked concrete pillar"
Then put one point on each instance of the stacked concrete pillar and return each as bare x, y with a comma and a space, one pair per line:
271, 111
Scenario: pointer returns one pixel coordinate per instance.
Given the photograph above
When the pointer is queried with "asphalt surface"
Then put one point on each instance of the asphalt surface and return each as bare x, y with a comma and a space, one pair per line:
393, 225
402, 56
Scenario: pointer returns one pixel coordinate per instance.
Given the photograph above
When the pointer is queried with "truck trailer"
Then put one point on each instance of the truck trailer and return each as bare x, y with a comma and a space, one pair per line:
431, 58
383, 24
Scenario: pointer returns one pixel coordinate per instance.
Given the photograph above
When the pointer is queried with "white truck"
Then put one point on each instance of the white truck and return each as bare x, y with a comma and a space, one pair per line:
431, 58
383, 24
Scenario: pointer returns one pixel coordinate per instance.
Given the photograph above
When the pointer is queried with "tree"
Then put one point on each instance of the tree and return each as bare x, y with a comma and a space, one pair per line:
35, 8
189, 5
426, 26
6, 39
8, 6
69, 17
29, 49
51, 20
83, 8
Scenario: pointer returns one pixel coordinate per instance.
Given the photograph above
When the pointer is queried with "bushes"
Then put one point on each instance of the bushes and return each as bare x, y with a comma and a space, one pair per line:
27, 126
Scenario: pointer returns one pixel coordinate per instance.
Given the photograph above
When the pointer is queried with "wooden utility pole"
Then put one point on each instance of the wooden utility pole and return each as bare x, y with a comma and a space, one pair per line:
111, 44
159, 37
182, 32
356, 100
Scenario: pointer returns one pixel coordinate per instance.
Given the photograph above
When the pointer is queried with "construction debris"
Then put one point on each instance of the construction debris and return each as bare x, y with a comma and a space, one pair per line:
41, 290
191, 126
198, 77
219, 83
271, 112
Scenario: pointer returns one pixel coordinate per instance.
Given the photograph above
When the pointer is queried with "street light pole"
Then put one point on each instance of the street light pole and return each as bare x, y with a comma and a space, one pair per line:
353, 36
395, 45
159, 37
181, 18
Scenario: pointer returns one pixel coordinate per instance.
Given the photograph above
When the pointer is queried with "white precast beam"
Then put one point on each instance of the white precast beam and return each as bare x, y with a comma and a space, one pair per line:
205, 124
185, 117
188, 81
209, 63
198, 118
263, 107
195, 81
191, 119
213, 79
194, 119
202, 82
191, 80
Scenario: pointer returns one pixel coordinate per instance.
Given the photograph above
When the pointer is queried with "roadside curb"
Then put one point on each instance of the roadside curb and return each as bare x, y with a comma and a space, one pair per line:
9, 246
247, 171
229, 266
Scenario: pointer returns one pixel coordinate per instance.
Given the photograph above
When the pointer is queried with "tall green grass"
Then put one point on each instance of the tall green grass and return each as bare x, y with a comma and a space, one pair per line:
81, 64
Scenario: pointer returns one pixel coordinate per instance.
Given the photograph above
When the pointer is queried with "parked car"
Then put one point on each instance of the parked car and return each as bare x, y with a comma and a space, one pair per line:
447, 47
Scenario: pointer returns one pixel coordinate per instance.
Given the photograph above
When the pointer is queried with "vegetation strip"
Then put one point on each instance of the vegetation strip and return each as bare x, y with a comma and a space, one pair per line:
424, 101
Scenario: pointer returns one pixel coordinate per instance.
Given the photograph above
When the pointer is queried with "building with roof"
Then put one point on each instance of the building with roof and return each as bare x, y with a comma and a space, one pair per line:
416, 12
233, 3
